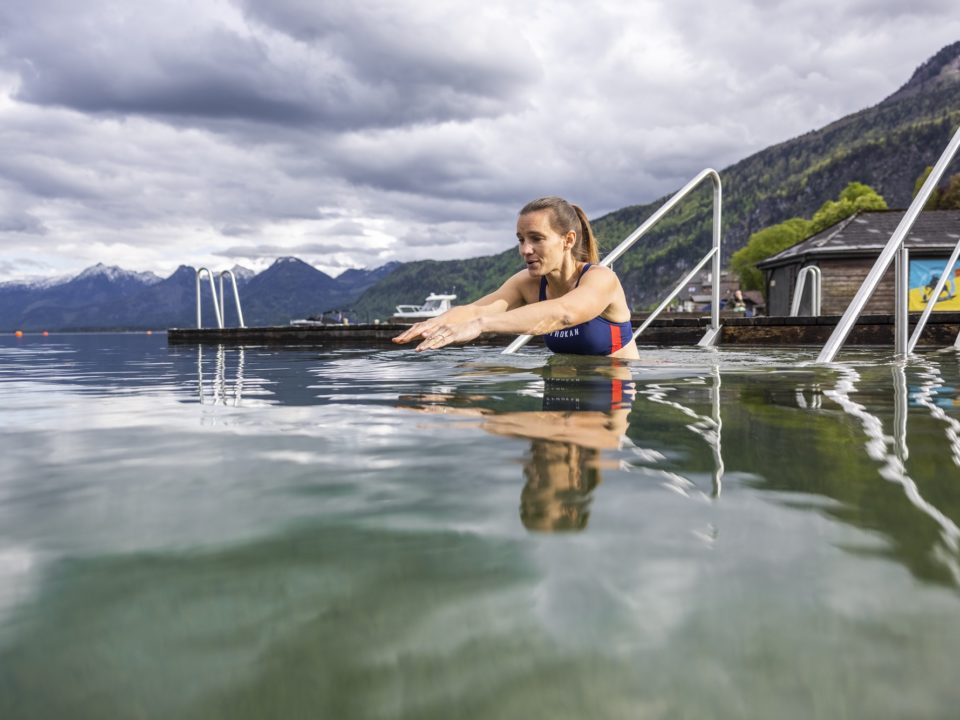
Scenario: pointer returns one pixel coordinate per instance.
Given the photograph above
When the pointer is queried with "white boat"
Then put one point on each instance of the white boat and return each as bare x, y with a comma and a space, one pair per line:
433, 306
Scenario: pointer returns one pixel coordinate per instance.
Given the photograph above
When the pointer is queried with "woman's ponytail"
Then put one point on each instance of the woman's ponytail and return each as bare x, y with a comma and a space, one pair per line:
586, 247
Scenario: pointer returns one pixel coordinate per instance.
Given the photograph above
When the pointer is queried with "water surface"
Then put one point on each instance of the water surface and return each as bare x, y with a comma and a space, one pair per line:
350, 533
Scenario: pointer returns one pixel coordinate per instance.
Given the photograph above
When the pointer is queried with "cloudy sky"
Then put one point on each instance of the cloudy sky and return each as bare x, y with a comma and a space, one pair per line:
149, 135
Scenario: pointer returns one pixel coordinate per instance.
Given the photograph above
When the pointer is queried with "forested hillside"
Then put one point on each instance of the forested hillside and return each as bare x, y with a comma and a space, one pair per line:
886, 146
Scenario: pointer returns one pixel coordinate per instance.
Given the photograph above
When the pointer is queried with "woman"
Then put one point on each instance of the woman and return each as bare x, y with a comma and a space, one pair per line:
563, 294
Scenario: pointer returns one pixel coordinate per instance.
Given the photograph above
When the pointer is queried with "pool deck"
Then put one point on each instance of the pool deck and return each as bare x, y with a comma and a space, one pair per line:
941, 330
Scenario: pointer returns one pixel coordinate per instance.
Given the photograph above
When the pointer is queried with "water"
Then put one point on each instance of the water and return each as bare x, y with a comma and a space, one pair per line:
348, 533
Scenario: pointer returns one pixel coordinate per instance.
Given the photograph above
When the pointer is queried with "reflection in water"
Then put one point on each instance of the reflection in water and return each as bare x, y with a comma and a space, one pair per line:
708, 427
892, 453
584, 410
220, 393
560, 478
932, 385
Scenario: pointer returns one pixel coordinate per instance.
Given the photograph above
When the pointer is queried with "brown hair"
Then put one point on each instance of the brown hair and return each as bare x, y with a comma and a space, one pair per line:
565, 217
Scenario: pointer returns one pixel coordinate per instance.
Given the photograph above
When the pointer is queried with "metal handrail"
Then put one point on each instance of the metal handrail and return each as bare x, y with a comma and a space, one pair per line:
213, 292
901, 290
933, 300
676, 291
815, 290
713, 332
236, 298
893, 245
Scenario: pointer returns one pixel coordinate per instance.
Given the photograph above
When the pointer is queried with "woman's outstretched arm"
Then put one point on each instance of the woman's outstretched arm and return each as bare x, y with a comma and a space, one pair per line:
595, 293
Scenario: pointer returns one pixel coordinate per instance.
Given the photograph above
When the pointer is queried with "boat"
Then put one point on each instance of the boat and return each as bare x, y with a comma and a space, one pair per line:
434, 305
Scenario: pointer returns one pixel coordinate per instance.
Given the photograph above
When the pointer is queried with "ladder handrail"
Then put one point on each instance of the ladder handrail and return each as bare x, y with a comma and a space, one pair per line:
933, 299
628, 242
815, 290
893, 245
213, 292
236, 298
676, 291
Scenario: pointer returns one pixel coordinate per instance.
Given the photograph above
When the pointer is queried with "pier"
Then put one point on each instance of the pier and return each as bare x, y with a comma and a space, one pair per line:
941, 330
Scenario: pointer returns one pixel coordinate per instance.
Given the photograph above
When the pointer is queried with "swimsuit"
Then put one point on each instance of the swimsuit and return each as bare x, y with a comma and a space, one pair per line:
593, 337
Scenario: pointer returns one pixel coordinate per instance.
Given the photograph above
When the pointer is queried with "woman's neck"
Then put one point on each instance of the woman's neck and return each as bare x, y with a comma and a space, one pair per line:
564, 278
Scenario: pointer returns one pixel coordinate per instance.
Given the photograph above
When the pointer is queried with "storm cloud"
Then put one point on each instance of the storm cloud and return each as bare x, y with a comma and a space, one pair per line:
350, 134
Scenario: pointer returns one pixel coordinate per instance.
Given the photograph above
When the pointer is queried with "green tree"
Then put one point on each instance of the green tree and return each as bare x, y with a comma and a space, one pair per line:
854, 197
763, 244
944, 197
950, 195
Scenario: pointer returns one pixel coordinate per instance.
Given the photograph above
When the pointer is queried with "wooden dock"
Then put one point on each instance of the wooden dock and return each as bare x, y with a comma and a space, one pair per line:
941, 331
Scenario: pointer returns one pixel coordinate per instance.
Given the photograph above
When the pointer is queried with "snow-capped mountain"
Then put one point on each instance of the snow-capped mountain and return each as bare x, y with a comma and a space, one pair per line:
109, 297
112, 273
36, 282
242, 274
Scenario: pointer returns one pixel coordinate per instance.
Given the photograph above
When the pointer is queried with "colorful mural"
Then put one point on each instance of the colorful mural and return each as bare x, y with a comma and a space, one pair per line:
924, 275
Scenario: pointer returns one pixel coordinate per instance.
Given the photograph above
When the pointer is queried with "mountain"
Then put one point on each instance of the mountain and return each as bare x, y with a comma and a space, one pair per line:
72, 303
886, 146
242, 274
289, 283
356, 281
102, 298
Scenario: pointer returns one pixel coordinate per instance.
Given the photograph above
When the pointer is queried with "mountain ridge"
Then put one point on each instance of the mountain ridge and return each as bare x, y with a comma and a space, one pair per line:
104, 297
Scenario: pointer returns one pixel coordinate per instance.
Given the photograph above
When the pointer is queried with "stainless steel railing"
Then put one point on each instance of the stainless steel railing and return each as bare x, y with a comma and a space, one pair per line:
894, 247
236, 298
815, 290
213, 293
218, 306
713, 332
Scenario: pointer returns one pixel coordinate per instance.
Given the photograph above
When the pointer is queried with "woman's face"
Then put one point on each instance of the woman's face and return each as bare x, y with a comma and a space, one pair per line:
541, 247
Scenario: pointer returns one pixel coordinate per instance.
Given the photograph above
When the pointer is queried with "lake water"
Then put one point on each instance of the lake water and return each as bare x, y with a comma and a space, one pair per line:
347, 533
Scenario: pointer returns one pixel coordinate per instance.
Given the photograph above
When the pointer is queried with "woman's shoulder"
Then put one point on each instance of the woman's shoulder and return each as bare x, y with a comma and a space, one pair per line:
528, 287
599, 272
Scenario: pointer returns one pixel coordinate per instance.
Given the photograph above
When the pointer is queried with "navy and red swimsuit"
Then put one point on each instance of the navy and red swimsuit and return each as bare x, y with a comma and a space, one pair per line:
594, 337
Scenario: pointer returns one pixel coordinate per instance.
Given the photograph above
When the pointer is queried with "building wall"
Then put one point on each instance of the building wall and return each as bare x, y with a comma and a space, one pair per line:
780, 283
842, 279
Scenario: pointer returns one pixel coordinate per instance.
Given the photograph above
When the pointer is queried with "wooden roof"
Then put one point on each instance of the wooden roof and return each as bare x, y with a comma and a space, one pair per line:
864, 234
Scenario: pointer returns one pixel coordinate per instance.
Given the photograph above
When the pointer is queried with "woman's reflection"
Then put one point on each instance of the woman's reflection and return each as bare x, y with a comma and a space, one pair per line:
584, 411
559, 481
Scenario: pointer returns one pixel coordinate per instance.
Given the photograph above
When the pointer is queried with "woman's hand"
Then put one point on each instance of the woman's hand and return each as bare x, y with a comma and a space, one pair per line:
420, 329
444, 334
453, 316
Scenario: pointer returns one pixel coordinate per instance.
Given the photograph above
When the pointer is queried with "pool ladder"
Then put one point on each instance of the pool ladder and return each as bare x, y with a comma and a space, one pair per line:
218, 306
713, 332
815, 290
896, 250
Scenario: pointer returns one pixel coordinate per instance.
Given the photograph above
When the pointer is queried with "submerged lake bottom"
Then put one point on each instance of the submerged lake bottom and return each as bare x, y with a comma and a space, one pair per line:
250, 532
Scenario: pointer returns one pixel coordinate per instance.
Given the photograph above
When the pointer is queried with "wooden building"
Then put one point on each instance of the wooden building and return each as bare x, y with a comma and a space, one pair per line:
845, 253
